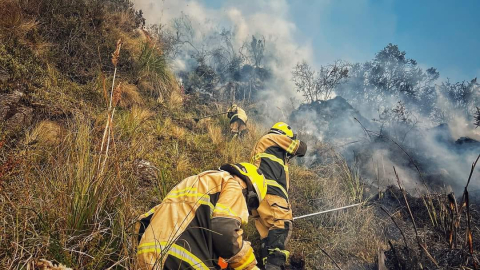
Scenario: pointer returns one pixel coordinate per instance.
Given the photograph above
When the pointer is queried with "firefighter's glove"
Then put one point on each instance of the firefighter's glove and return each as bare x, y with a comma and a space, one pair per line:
302, 149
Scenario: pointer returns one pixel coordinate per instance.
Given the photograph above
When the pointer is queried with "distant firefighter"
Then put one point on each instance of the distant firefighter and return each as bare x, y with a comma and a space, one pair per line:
238, 120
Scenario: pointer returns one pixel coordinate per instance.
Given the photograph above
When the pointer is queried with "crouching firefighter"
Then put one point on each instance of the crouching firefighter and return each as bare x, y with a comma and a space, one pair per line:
273, 218
238, 120
199, 221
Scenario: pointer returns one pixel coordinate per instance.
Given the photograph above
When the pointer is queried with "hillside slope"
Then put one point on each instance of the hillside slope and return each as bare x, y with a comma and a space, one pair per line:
95, 130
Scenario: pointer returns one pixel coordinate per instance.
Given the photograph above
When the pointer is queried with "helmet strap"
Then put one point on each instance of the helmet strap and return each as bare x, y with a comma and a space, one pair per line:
252, 200
251, 196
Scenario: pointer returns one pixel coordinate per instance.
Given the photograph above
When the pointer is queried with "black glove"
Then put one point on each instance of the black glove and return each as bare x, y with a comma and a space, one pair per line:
302, 149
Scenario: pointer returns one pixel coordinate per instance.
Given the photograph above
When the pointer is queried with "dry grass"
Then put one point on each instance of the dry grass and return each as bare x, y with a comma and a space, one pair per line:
183, 163
349, 236
130, 96
11, 14
13, 23
45, 134
177, 131
146, 86
131, 121
61, 208
175, 100
215, 133
43, 264
58, 209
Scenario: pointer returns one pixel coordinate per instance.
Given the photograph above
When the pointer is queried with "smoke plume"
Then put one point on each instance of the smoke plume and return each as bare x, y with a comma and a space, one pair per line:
376, 131
266, 19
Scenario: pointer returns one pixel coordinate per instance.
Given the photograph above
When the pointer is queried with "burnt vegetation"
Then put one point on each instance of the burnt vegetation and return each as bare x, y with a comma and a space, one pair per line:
388, 79
477, 117
390, 112
97, 125
217, 69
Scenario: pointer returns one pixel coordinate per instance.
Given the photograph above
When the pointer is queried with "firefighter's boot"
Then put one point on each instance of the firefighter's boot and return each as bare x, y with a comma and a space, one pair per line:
273, 247
276, 260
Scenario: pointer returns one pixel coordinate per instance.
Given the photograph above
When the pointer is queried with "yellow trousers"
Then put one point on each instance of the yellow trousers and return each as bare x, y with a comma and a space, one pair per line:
272, 214
237, 126
273, 219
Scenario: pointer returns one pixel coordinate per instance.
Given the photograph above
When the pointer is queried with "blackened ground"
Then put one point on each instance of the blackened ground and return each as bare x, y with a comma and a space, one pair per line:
433, 224
435, 152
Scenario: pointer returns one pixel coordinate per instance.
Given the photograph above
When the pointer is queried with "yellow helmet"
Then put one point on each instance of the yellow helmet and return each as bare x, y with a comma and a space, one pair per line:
252, 176
283, 129
233, 108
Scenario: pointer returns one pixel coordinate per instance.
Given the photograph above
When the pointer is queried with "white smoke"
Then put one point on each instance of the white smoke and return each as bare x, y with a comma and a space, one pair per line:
270, 19
263, 18
458, 124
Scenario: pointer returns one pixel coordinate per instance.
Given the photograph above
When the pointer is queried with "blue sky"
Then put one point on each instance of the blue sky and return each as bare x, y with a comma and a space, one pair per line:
443, 34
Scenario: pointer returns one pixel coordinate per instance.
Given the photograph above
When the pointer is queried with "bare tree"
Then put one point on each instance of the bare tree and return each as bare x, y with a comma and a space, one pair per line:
221, 69
398, 121
177, 38
330, 76
319, 85
305, 80
257, 48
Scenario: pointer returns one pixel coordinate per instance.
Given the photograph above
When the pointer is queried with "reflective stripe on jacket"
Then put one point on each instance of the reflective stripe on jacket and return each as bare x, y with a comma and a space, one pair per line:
270, 155
197, 222
236, 113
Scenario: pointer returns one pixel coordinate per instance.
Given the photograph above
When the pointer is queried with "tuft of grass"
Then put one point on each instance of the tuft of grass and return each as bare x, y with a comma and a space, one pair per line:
12, 15
14, 25
177, 132
130, 96
351, 180
152, 61
130, 122
175, 100
153, 65
45, 134
215, 133
183, 164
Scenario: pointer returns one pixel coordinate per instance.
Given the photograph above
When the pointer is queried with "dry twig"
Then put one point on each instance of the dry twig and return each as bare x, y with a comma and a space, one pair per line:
364, 129
336, 264
419, 240
398, 227
455, 220
466, 203
397, 266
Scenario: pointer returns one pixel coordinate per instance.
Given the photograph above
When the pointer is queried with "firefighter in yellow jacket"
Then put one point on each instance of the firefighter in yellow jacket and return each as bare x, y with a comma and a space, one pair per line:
200, 221
238, 120
273, 218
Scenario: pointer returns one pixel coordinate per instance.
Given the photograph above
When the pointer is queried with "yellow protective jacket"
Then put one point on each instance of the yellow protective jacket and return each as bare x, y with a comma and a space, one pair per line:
270, 156
196, 223
235, 113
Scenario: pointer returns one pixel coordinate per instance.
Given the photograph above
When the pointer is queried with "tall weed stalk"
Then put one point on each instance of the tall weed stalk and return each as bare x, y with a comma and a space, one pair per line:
114, 98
